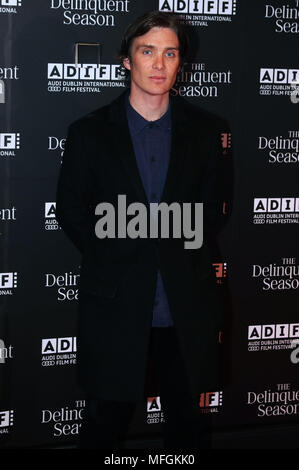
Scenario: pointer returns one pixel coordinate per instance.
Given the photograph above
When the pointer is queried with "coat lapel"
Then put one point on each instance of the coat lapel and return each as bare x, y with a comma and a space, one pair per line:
124, 147
178, 147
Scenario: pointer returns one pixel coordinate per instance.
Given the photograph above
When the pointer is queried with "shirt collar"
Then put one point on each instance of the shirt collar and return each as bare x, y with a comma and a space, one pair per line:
137, 123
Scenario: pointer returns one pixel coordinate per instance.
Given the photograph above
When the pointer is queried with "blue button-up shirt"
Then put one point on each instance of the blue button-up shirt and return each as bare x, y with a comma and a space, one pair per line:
152, 142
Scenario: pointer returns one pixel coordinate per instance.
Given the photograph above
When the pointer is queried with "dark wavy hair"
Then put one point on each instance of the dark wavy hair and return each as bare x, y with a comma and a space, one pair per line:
144, 23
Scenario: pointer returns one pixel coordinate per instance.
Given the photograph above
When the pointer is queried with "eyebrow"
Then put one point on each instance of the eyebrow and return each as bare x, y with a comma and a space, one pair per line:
149, 46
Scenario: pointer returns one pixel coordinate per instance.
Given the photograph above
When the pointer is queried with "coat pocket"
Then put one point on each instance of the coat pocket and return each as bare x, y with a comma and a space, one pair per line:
202, 263
203, 270
102, 280
105, 289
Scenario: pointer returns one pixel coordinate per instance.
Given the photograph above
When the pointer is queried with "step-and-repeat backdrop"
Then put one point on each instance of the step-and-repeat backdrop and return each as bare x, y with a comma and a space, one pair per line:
244, 67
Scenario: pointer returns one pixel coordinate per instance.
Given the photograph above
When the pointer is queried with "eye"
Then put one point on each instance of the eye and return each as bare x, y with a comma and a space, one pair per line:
147, 52
170, 54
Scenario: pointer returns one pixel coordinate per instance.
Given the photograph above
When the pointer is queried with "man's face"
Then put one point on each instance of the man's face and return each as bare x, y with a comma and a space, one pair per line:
154, 62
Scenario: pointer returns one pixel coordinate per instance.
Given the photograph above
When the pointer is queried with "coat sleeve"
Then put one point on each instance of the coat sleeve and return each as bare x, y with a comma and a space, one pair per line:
213, 192
73, 189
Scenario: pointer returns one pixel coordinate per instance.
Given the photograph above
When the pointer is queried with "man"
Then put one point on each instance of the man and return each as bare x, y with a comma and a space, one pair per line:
144, 302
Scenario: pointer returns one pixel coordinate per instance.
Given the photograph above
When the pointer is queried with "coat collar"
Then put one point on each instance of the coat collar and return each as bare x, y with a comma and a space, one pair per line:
137, 122
124, 147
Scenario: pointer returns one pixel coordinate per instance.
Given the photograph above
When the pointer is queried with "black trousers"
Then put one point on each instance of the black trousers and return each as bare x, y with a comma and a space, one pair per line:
106, 421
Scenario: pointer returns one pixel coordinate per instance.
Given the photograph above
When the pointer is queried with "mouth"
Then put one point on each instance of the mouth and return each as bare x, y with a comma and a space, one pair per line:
157, 78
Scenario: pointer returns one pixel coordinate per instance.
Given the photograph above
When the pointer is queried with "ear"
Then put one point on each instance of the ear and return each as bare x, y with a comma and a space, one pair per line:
126, 63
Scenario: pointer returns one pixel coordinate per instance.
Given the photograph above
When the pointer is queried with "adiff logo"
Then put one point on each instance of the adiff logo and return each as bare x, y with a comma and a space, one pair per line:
153, 404
210, 399
208, 7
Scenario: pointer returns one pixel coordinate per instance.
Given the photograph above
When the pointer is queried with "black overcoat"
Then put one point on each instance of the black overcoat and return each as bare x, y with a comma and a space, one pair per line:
118, 276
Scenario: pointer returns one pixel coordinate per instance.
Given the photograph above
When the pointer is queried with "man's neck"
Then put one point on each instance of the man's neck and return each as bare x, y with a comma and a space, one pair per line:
150, 107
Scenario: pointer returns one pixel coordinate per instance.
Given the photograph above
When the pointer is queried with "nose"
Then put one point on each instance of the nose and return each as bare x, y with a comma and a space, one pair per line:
158, 61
